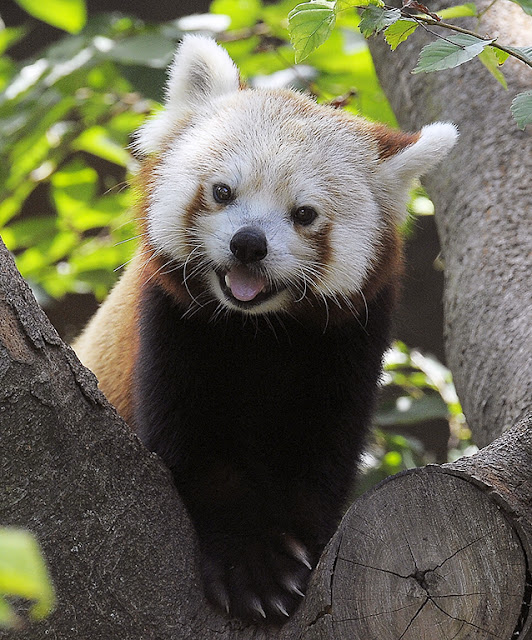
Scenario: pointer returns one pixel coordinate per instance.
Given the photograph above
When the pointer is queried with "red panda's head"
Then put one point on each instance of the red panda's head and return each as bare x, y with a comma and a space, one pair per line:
262, 201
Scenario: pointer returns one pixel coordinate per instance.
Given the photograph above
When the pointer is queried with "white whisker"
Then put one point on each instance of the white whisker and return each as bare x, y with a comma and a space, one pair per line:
140, 235
131, 259
185, 277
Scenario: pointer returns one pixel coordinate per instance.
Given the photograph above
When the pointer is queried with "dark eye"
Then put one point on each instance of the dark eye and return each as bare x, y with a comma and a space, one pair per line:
304, 215
222, 193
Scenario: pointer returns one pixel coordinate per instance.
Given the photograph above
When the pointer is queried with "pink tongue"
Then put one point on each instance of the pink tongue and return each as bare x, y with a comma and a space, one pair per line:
245, 285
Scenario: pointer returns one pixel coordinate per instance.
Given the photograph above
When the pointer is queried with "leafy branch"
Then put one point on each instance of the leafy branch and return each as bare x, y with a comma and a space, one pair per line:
524, 54
311, 23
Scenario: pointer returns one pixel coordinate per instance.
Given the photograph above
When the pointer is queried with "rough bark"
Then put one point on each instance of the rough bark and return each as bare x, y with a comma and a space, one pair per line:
483, 197
439, 553
432, 554
104, 509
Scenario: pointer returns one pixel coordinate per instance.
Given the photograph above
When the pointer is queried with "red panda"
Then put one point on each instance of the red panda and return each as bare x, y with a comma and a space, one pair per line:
244, 341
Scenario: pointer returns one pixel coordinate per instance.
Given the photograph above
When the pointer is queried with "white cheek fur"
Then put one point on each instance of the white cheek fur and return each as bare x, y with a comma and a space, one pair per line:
354, 245
177, 180
279, 151
354, 229
166, 229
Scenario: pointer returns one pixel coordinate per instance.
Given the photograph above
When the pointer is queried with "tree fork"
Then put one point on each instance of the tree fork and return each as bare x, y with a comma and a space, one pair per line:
440, 546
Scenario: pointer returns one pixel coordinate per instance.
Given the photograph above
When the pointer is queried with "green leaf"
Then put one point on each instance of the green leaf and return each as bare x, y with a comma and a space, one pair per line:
9, 36
7, 71
459, 11
502, 56
427, 407
103, 213
490, 60
7, 615
23, 573
274, 16
48, 251
375, 19
73, 187
399, 31
522, 109
525, 52
10, 206
97, 141
449, 53
342, 5
309, 25
27, 77
25, 233
254, 63
526, 5
69, 15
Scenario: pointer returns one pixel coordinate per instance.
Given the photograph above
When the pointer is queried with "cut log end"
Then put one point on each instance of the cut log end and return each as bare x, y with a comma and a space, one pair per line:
428, 556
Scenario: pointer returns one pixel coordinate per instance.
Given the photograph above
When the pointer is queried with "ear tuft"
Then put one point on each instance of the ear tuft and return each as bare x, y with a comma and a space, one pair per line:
405, 157
433, 143
201, 72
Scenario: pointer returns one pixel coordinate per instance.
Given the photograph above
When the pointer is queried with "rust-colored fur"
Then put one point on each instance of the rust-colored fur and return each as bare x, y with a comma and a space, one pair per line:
108, 345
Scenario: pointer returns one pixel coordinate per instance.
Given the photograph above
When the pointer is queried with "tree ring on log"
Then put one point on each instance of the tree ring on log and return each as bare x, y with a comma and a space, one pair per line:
427, 556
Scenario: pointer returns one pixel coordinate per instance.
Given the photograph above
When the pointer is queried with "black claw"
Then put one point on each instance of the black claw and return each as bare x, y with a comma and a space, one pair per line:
260, 580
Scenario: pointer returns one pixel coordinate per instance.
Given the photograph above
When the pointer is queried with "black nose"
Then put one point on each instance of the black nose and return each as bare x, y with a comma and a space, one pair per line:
249, 245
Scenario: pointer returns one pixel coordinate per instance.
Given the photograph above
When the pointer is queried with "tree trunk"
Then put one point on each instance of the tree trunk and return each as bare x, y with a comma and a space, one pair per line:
483, 198
438, 553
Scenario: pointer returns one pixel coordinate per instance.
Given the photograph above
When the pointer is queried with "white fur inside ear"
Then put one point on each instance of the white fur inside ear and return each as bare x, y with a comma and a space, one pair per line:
201, 72
434, 143
396, 174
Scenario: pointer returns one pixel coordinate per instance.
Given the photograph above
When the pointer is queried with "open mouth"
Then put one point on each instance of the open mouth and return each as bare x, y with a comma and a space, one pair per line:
245, 288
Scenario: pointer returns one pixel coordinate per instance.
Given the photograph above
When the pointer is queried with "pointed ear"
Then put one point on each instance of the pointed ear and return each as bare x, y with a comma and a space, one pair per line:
201, 72
405, 157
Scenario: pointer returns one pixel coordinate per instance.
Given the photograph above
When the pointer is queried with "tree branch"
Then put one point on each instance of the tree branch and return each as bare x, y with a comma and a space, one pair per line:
453, 27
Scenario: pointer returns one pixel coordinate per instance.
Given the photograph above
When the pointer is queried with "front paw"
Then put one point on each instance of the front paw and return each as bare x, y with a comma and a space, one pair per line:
259, 579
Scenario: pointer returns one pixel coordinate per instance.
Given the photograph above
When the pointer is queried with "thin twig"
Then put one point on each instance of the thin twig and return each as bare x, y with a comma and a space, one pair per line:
422, 24
457, 29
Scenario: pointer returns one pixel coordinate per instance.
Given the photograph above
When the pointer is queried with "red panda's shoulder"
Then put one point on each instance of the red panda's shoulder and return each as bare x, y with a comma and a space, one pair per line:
108, 345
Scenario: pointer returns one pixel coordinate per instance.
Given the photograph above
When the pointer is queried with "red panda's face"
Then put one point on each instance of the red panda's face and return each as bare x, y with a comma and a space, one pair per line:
268, 201
262, 201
